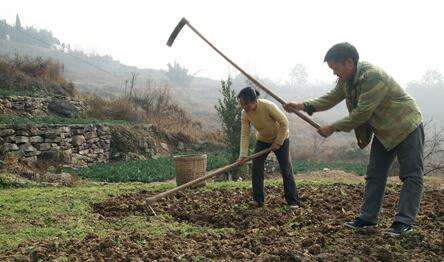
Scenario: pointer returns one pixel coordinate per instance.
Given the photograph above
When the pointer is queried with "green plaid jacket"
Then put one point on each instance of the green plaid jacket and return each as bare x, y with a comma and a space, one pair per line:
377, 104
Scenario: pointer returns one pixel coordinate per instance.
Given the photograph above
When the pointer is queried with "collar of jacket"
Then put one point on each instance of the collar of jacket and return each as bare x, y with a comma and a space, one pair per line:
356, 76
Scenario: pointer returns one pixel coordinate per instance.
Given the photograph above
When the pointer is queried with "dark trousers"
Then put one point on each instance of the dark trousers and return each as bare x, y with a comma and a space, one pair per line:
410, 157
283, 157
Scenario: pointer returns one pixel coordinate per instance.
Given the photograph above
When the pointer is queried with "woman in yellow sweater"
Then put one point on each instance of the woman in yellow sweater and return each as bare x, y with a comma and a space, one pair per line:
272, 131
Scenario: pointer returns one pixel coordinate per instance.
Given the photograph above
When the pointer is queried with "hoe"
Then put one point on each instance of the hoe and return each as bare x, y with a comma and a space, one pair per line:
221, 170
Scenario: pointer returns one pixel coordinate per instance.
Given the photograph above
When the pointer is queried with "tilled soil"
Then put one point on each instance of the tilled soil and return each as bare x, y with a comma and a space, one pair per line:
272, 233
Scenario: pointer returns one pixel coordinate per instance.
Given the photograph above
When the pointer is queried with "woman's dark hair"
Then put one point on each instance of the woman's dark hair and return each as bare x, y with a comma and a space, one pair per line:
341, 52
248, 94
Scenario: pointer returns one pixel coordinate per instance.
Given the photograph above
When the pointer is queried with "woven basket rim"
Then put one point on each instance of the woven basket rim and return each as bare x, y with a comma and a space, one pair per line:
189, 157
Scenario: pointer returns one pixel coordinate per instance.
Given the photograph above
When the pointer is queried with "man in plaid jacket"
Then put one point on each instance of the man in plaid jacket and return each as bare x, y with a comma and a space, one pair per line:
378, 106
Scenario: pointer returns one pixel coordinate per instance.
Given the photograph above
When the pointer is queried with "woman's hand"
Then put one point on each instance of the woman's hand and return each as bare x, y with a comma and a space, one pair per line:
242, 160
275, 146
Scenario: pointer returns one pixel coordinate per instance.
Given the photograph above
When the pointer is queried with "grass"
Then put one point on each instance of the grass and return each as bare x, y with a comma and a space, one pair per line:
17, 120
162, 169
31, 93
152, 170
147, 171
62, 213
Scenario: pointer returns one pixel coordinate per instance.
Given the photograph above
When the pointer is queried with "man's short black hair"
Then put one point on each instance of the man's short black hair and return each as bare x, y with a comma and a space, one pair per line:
341, 52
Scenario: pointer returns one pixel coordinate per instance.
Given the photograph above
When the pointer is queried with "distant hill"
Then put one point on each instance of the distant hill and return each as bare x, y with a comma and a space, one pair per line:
107, 77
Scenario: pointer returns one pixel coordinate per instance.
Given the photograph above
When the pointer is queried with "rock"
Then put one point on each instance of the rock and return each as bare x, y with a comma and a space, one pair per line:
32, 130
33, 153
21, 139
30, 159
36, 139
164, 147
44, 146
326, 169
67, 156
22, 133
52, 155
78, 140
90, 135
7, 132
62, 178
63, 108
10, 147
83, 152
27, 148
64, 129
93, 140
51, 135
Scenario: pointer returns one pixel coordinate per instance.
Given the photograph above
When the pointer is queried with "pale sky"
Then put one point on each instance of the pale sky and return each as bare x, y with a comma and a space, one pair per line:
266, 38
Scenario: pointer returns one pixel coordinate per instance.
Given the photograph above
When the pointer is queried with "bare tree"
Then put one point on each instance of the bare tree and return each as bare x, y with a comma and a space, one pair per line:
133, 81
433, 148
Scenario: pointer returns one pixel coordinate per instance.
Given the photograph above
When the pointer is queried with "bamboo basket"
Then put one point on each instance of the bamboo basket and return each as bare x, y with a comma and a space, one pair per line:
190, 167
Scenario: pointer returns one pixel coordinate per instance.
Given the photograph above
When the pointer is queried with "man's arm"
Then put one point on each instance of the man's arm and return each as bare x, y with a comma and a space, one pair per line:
327, 101
374, 90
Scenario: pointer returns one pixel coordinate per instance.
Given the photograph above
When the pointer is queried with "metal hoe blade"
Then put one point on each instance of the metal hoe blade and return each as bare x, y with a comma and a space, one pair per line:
176, 31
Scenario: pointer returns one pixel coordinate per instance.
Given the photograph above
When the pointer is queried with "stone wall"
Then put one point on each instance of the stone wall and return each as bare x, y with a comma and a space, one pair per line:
41, 106
77, 145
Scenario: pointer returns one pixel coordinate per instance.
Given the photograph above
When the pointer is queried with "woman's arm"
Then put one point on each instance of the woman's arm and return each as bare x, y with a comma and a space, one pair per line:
245, 135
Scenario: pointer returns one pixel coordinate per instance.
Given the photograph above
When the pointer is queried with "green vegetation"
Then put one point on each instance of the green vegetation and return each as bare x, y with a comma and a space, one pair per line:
62, 213
131, 171
152, 170
229, 114
18, 120
218, 159
31, 93
162, 169
47, 213
307, 166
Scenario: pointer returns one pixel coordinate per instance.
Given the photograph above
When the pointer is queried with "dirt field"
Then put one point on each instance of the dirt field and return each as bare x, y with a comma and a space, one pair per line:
217, 224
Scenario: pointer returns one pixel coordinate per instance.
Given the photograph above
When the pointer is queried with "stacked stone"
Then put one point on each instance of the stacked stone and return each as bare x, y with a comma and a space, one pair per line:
91, 142
77, 144
30, 105
34, 105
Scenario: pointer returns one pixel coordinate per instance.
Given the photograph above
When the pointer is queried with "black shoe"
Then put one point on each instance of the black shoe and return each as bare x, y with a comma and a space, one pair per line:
398, 228
359, 223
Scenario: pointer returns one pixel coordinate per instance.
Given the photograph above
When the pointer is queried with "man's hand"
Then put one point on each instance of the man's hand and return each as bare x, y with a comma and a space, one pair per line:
242, 160
326, 131
292, 106
275, 146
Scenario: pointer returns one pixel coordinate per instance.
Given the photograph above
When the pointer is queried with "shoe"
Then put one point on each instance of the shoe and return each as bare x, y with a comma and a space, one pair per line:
254, 203
359, 223
398, 228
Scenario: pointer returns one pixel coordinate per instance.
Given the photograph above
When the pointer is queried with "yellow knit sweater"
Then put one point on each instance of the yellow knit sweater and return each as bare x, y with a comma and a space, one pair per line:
270, 123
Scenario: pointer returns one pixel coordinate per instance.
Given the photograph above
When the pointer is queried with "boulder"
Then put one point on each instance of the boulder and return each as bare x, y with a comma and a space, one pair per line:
63, 108
10, 147
78, 140
7, 132
21, 139
36, 139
